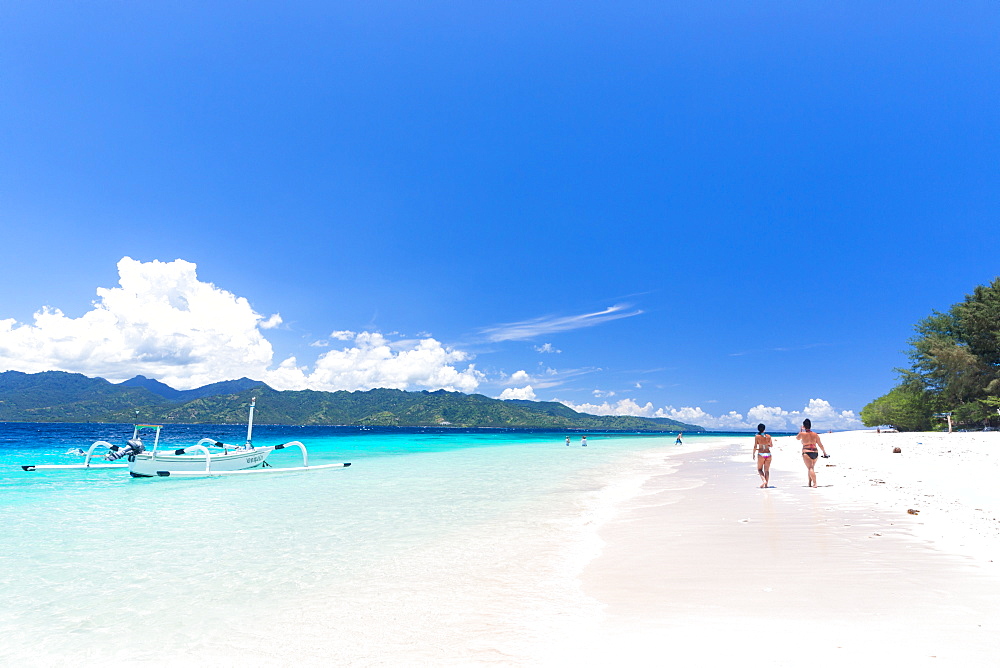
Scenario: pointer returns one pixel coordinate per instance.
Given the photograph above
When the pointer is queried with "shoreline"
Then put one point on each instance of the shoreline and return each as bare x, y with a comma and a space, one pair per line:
791, 574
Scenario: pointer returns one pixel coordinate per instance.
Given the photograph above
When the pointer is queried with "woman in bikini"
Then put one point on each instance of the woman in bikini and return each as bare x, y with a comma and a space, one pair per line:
762, 451
810, 441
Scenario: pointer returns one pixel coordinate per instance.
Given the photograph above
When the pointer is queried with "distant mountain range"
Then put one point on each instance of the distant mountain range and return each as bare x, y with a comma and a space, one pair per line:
170, 394
58, 396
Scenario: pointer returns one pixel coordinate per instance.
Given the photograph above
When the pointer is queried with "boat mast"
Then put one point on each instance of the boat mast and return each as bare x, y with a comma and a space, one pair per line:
253, 402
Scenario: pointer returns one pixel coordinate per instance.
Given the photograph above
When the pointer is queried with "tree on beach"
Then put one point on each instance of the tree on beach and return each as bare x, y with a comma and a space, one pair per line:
902, 407
955, 366
978, 322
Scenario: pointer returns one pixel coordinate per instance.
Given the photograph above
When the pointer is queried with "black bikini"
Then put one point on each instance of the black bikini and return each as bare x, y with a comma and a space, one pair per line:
810, 449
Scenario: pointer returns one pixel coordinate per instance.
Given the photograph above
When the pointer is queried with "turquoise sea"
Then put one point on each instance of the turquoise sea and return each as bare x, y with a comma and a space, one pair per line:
434, 547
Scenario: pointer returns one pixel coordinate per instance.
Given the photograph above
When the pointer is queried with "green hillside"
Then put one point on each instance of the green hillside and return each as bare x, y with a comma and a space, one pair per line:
56, 396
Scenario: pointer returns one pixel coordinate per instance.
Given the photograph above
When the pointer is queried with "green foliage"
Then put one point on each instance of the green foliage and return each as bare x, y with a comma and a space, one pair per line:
978, 322
60, 397
902, 407
955, 366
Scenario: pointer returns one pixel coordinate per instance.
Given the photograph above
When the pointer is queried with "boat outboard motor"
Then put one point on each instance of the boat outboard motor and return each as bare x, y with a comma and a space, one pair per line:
131, 449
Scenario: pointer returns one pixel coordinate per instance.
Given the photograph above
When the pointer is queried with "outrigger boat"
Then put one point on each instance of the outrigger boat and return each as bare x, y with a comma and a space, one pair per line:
208, 457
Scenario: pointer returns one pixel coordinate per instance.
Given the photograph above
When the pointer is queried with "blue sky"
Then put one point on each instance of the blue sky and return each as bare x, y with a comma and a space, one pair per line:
633, 206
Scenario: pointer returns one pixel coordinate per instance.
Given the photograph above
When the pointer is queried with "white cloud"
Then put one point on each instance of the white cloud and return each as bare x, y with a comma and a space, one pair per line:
620, 407
548, 377
164, 323
823, 415
518, 377
525, 392
374, 361
529, 329
271, 322
547, 348
602, 393
161, 322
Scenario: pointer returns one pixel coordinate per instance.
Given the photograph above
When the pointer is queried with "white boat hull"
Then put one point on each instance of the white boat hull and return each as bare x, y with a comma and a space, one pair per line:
148, 464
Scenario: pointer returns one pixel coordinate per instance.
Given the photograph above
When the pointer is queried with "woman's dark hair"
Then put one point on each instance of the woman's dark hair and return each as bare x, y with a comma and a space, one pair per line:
807, 423
760, 428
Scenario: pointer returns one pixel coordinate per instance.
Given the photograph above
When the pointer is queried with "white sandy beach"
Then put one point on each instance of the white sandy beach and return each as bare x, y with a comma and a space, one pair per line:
663, 556
703, 567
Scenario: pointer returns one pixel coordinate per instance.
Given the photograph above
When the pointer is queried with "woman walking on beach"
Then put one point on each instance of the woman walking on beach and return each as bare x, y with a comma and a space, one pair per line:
762, 451
810, 441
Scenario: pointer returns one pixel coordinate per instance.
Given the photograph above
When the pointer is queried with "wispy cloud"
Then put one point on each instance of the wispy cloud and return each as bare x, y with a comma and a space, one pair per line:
653, 370
557, 377
545, 377
780, 349
529, 329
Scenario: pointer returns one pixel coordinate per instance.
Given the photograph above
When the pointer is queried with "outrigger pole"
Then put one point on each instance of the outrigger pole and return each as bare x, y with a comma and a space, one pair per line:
292, 469
253, 402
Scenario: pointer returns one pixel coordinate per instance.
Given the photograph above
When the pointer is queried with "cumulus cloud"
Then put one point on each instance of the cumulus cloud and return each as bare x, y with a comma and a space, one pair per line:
525, 392
822, 414
161, 322
518, 377
374, 361
164, 323
547, 348
620, 407
271, 322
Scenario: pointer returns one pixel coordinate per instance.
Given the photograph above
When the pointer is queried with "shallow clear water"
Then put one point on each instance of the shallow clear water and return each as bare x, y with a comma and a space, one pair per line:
432, 548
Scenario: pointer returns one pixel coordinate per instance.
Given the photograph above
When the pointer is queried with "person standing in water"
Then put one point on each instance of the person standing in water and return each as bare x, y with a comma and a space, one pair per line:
567, 440
810, 441
762, 452
679, 441
583, 441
